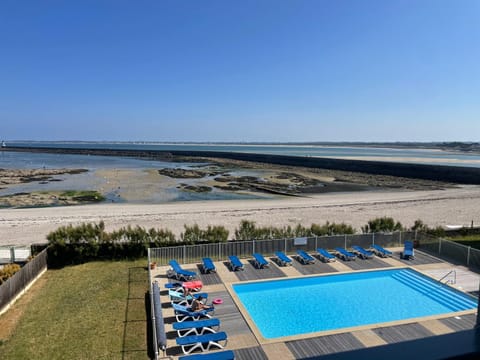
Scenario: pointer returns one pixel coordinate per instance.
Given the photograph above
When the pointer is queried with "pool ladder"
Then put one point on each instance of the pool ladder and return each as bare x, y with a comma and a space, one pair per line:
450, 281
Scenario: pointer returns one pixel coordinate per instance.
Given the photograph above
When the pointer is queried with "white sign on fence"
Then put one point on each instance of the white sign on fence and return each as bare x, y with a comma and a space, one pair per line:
300, 241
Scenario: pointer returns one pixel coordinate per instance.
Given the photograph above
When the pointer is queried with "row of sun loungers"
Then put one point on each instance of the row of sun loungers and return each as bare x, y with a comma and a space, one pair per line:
259, 261
198, 330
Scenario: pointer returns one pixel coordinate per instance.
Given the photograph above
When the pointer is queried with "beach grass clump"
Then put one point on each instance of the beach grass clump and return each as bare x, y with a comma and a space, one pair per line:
212, 234
382, 224
248, 230
90, 311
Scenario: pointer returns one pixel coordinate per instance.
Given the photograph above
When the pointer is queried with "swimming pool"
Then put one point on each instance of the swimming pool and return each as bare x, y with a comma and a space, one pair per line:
297, 306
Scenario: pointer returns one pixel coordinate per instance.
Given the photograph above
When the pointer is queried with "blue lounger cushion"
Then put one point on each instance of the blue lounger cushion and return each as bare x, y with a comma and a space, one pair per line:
325, 255
260, 261
361, 252
380, 251
305, 258
344, 254
408, 252
202, 342
199, 327
181, 273
217, 355
196, 324
283, 259
208, 265
235, 263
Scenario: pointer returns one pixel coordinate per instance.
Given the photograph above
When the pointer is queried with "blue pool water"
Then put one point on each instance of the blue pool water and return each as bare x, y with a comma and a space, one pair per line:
305, 305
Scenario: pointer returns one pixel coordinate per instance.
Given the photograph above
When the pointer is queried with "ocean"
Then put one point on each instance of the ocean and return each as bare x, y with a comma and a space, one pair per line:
418, 156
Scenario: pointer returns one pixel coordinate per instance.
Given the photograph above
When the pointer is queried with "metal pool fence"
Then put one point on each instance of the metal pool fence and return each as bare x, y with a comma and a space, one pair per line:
220, 251
445, 249
451, 251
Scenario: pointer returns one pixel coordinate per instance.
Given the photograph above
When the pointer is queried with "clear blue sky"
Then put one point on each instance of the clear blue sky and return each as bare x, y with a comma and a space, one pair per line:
244, 70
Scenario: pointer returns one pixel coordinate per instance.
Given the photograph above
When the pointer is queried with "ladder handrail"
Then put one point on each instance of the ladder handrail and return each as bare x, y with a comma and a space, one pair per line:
454, 276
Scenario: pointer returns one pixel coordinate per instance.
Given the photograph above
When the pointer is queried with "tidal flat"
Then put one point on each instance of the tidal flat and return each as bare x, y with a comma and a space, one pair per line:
188, 179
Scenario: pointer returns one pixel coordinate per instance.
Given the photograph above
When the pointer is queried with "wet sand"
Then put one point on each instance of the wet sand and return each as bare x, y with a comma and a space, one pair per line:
454, 206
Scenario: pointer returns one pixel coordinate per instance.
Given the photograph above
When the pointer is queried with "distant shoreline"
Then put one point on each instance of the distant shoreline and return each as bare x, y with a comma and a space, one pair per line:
452, 146
452, 174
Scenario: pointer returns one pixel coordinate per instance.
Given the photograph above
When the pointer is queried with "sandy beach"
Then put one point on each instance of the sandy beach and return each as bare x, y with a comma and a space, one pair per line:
454, 206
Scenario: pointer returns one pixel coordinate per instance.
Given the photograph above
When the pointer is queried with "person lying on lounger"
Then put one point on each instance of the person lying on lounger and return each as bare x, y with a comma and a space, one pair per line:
198, 305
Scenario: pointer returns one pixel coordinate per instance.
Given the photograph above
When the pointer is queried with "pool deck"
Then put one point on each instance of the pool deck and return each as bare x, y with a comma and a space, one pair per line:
248, 344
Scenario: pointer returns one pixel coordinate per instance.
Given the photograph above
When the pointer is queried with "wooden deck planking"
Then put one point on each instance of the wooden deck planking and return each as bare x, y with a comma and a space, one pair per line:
250, 272
399, 333
324, 345
420, 259
251, 353
459, 323
208, 279
231, 320
317, 267
361, 264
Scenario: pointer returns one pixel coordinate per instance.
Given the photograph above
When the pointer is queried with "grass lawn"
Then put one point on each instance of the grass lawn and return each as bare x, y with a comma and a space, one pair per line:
467, 240
91, 311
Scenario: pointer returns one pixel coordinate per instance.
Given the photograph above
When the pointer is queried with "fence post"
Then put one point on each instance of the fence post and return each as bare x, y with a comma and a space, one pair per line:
12, 254
316, 242
184, 253
440, 246
373, 238
400, 237
253, 246
285, 245
219, 251
468, 255
345, 241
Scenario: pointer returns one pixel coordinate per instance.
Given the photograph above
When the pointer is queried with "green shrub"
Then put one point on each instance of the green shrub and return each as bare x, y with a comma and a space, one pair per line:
246, 230
419, 226
331, 229
193, 234
383, 224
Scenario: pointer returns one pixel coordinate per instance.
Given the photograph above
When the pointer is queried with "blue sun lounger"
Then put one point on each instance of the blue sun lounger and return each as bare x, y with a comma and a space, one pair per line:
325, 256
283, 259
361, 252
199, 327
408, 252
259, 261
180, 273
380, 251
202, 342
208, 265
235, 263
183, 313
177, 297
217, 355
305, 258
344, 254
174, 286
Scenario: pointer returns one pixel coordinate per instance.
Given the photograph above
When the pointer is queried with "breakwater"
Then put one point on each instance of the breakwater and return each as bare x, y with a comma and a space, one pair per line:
452, 174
